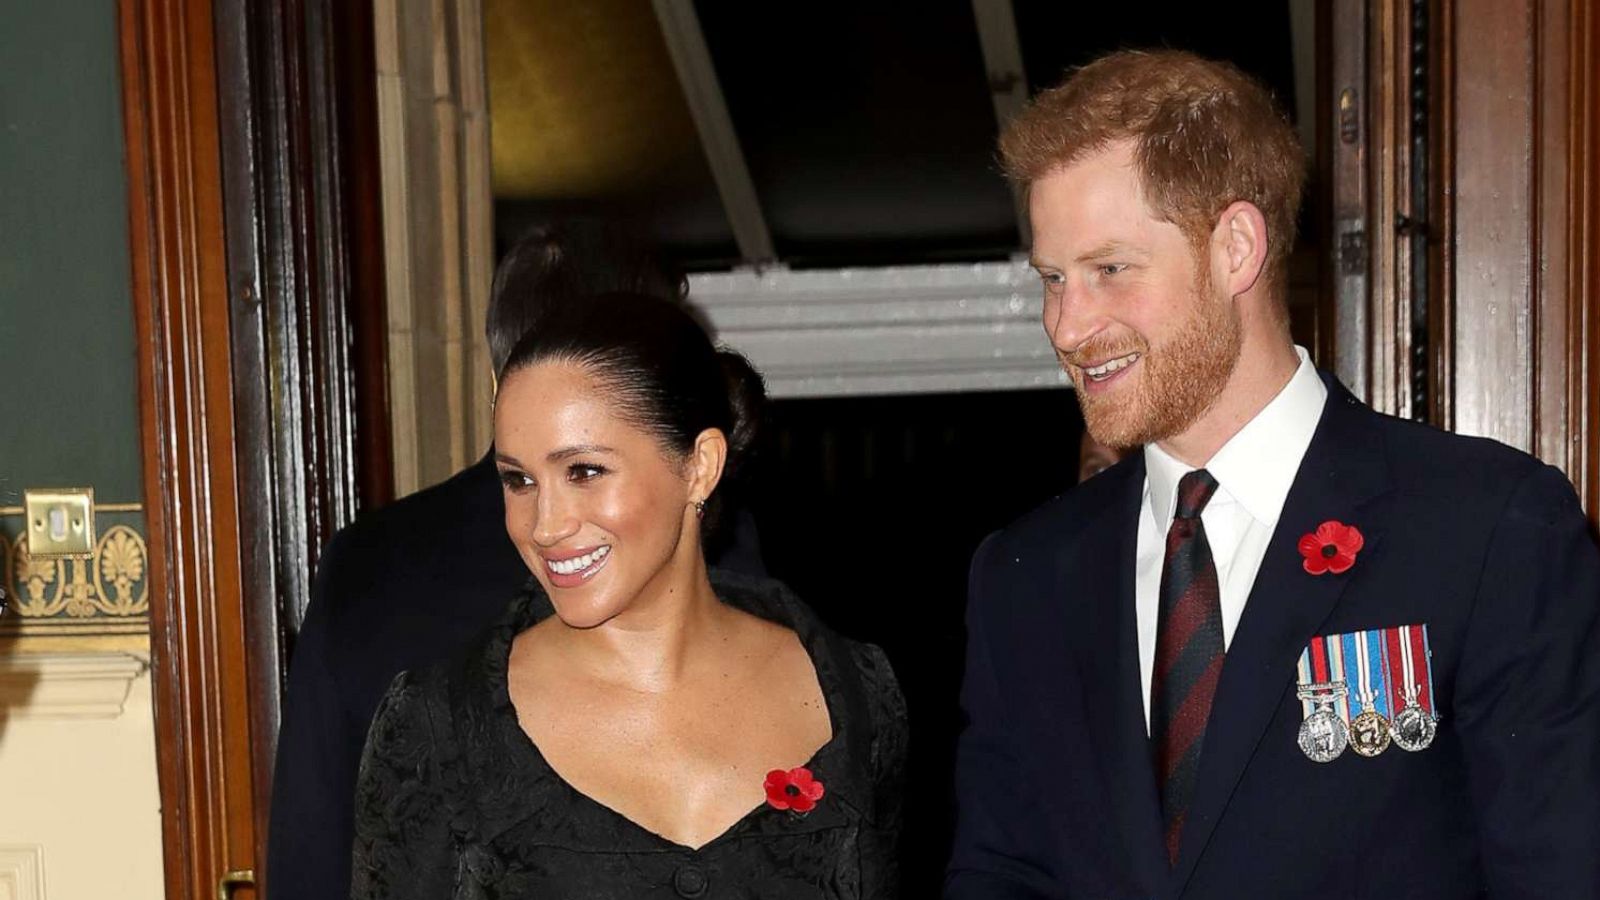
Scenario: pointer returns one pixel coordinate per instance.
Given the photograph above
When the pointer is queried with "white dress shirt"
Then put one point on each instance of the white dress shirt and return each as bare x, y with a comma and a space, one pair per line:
1254, 471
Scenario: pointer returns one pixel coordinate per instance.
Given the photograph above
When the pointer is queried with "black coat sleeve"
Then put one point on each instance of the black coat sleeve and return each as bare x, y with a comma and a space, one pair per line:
319, 746
880, 853
987, 861
1527, 701
404, 846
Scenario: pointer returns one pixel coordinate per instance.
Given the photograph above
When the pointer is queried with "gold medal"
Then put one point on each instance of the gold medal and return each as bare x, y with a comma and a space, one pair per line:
1369, 733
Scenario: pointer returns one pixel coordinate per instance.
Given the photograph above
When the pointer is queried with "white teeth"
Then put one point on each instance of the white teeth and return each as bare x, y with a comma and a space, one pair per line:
578, 563
1106, 368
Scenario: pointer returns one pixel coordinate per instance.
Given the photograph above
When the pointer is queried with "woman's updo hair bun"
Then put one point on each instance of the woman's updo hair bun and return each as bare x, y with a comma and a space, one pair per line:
747, 402
658, 368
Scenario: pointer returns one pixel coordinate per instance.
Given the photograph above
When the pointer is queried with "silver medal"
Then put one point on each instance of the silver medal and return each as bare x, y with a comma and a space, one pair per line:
1323, 735
1413, 727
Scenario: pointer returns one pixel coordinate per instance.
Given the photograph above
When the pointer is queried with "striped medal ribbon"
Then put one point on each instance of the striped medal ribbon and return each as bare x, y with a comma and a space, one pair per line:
1323, 692
1369, 730
1411, 687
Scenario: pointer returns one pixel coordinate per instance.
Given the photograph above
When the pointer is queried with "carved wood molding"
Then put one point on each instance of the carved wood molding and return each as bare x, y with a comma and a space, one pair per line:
1390, 178
295, 82
1343, 336
1583, 343
186, 417
1567, 415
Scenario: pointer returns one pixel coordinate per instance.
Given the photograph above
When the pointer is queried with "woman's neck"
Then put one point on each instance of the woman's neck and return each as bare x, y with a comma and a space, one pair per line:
649, 648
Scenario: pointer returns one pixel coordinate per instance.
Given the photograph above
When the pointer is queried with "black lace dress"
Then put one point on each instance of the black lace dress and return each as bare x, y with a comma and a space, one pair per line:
454, 800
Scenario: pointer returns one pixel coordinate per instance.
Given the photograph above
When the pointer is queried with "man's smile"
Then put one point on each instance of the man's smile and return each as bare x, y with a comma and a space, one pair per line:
1104, 370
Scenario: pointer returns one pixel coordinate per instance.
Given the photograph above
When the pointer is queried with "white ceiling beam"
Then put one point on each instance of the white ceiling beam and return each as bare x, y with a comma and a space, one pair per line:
884, 330
686, 44
1303, 38
1008, 80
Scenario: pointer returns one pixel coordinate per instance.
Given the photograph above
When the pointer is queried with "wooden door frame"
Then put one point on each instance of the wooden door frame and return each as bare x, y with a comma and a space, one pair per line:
186, 417
258, 294
303, 235
1377, 133
1463, 287
1583, 335
1516, 239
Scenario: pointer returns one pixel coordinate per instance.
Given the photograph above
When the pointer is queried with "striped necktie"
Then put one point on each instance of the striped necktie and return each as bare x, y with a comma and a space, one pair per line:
1189, 654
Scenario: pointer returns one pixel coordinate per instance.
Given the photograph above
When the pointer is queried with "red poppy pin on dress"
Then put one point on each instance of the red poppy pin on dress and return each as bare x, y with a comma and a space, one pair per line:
1331, 548
795, 789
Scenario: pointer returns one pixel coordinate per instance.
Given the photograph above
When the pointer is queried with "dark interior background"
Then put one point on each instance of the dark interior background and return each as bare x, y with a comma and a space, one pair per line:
868, 128
870, 509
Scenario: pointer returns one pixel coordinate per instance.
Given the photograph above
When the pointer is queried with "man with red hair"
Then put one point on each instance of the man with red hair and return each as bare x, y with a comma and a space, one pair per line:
1292, 648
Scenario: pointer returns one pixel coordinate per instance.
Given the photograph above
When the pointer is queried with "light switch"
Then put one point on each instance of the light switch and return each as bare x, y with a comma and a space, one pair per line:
60, 522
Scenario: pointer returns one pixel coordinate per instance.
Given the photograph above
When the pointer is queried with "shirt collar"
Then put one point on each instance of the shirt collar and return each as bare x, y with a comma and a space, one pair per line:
1256, 467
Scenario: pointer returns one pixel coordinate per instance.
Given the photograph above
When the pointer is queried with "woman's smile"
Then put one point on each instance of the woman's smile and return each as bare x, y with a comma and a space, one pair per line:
574, 568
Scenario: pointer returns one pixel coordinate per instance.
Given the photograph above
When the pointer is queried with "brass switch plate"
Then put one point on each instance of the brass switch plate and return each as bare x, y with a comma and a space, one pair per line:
60, 522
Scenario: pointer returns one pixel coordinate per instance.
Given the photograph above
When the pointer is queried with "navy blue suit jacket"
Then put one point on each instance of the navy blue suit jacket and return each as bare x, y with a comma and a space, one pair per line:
1486, 545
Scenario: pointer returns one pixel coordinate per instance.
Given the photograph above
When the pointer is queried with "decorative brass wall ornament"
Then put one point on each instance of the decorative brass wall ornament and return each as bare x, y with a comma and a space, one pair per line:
112, 582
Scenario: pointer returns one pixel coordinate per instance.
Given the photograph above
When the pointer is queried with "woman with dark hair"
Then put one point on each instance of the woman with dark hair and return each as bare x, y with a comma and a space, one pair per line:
634, 727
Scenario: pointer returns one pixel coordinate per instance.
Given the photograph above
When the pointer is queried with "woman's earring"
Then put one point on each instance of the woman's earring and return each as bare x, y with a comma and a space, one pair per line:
699, 509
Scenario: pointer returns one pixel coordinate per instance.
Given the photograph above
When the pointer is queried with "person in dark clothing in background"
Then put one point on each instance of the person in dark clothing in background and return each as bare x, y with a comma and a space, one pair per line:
415, 581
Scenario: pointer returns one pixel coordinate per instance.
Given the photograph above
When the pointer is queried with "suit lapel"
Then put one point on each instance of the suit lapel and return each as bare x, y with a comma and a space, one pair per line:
1103, 570
1342, 477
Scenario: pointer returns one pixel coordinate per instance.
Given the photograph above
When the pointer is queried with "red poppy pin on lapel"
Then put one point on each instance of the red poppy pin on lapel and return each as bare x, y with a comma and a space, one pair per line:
795, 789
1331, 548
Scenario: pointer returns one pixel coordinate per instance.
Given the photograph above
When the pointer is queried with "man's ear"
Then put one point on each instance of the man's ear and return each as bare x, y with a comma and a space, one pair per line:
704, 465
1239, 247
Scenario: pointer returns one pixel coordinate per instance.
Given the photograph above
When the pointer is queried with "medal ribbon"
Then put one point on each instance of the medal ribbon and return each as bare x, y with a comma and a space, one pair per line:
1408, 644
1366, 661
1355, 648
1304, 672
1386, 664
1319, 660
1336, 672
1377, 663
1365, 649
1419, 635
1323, 662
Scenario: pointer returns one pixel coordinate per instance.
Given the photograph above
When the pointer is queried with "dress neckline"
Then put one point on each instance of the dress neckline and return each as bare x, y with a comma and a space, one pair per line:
829, 762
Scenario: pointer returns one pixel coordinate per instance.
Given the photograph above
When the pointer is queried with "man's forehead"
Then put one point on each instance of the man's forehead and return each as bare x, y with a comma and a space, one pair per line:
1088, 224
1090, 208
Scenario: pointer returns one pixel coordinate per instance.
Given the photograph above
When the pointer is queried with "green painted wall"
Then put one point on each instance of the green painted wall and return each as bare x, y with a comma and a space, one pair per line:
68, 401
68, 392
